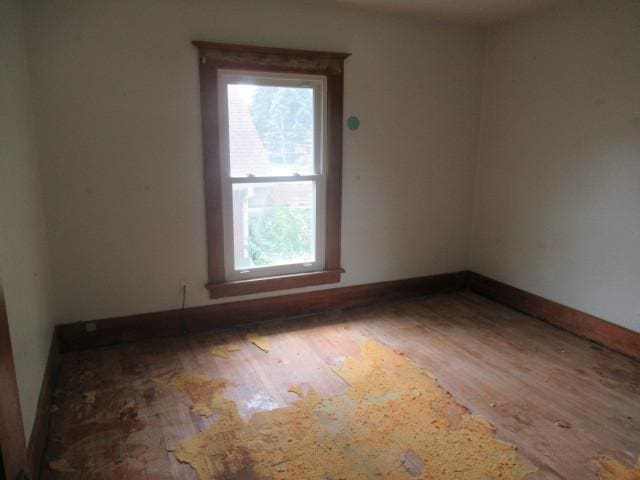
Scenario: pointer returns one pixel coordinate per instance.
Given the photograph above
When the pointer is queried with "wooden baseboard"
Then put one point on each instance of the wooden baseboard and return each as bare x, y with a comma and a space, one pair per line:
40, 430
196, 319
13, 451
579, 323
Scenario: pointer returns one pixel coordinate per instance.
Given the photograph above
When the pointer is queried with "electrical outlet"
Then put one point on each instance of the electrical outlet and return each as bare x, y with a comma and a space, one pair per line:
90, 327
184, 283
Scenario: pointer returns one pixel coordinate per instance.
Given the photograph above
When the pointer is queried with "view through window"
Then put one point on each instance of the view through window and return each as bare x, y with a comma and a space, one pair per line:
274, 176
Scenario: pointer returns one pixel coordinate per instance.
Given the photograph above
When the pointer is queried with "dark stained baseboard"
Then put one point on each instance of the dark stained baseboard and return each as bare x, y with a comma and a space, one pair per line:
197, 319
579, 323
110, 331
13, 449
40, 430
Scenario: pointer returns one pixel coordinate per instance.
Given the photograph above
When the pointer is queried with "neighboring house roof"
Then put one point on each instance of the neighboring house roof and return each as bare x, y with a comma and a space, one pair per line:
247, 151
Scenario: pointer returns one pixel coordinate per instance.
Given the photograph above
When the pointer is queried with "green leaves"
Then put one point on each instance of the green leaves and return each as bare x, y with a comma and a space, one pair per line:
279, 234
283, 117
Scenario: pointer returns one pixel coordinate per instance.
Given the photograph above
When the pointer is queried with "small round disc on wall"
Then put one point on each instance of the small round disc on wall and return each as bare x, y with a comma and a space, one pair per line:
353, 123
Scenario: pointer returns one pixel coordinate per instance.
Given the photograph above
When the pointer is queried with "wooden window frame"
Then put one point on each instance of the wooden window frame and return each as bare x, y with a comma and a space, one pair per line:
217, 56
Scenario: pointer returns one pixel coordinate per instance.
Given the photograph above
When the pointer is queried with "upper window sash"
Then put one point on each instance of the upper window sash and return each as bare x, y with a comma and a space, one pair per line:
318, 85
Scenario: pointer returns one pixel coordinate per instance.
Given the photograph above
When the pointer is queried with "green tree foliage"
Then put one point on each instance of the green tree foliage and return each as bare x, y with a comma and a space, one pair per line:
284, 119
279, 235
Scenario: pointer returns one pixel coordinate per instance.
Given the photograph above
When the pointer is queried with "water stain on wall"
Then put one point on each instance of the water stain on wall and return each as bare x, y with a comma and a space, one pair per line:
393, 422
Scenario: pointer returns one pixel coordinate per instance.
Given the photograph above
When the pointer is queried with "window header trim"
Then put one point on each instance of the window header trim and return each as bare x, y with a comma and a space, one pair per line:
247, 57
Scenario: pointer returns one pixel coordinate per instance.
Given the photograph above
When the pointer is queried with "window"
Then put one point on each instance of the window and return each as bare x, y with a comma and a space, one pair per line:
272, 137
273, 182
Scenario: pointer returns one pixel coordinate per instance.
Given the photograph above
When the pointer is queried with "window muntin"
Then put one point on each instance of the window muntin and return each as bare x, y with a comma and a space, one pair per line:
273, 179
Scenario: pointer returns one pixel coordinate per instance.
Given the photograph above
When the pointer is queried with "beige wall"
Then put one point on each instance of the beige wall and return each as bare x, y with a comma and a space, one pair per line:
557, 205
23, 253
118, 124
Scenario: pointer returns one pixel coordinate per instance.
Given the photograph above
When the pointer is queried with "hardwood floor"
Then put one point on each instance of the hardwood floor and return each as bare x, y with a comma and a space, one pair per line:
521, 374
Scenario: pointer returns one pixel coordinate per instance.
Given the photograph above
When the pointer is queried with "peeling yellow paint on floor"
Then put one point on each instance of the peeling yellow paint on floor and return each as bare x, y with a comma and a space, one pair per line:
128, 411
296, 390
61, 465
220, 351
204, 392
611, 469
259, 341
223, 351
89, 397
393, 422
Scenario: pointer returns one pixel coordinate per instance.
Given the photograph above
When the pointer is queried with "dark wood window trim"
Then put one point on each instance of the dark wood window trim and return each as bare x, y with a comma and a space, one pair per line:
215, 56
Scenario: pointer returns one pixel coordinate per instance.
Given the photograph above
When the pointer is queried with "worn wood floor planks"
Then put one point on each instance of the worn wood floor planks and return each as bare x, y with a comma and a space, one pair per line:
522, 374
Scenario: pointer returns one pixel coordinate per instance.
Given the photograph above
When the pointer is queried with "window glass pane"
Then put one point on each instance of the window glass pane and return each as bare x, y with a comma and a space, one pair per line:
273, 224
270, 130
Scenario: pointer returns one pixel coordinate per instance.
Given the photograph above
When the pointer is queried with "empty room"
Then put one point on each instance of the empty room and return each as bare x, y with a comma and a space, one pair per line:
320, 239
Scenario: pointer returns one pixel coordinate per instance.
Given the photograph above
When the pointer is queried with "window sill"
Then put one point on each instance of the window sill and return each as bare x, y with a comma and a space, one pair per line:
270, 284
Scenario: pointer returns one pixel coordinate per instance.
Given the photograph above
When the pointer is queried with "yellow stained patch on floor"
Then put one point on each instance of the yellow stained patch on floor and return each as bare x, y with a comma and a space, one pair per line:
203, 391
61, 465
611, 469
89, 397
223, 351
296, 390
393, 422
259, 341
128, 411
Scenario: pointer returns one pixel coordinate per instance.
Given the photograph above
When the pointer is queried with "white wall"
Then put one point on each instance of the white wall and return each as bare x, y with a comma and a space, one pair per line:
23, 253
118, 125
557, 205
